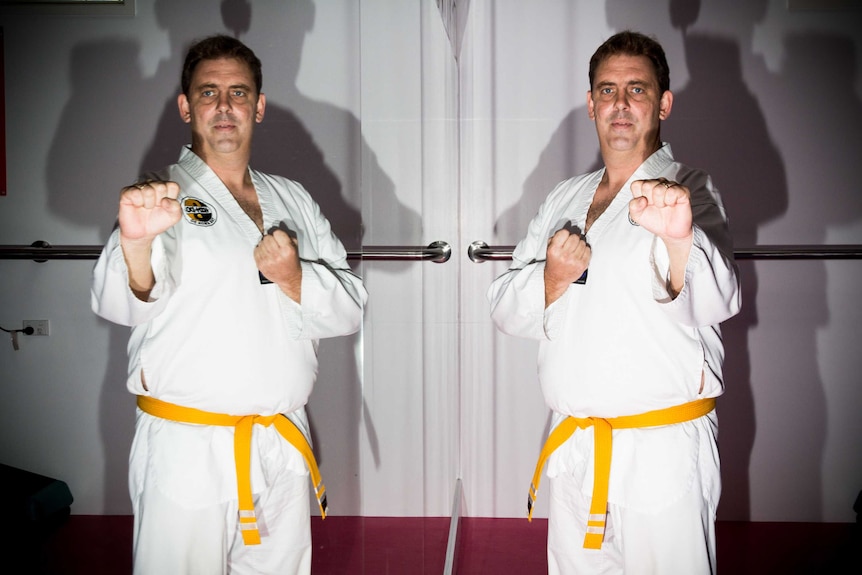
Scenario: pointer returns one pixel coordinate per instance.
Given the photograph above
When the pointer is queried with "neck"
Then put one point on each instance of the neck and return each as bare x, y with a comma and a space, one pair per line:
620, 165
232, 169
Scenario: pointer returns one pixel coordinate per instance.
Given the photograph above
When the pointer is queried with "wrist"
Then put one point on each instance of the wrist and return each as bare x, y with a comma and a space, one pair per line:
135, 244
678, 243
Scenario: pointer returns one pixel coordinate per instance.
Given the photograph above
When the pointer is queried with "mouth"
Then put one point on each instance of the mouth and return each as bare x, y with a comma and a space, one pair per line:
621, 124
223, 124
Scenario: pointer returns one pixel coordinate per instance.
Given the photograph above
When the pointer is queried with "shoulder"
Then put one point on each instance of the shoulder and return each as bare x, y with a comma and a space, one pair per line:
664, 162
699, 183
691, 176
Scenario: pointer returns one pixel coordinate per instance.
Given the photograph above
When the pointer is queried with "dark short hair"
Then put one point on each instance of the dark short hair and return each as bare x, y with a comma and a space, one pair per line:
214, 48
630, 43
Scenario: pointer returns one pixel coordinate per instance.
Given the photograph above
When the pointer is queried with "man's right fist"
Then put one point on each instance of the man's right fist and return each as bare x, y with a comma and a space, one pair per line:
148, 209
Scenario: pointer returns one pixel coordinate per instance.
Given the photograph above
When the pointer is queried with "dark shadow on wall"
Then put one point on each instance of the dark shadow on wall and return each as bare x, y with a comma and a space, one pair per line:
757, 185
710, 115
102, 130
717, 124
741, 127
821, 129
95, 152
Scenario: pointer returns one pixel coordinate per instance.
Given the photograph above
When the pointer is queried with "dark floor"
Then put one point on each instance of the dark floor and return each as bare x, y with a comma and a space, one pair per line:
394, 546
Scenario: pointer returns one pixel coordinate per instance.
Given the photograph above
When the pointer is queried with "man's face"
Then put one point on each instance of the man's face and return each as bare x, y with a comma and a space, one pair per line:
627, 105
222, 107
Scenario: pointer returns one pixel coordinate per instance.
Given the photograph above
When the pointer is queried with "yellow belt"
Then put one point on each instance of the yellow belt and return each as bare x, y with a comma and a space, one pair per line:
603, 439
242, 451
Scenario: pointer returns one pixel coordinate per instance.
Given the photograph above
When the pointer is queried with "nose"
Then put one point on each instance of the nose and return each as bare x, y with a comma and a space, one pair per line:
621, 101
223, 102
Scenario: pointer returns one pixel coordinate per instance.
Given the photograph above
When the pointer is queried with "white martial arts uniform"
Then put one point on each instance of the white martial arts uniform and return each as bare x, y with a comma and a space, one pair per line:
215, 337
621, 345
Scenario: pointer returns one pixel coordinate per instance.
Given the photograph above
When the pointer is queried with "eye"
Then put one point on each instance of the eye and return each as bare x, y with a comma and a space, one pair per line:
637, 90
208, 93
239, 93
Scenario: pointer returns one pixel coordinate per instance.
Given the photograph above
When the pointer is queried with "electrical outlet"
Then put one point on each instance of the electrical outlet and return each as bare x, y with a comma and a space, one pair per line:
40, 326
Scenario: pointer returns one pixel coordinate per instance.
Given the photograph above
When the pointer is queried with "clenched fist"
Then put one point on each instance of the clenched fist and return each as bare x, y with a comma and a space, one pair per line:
568, 256
148, 209
662, 207
277, 258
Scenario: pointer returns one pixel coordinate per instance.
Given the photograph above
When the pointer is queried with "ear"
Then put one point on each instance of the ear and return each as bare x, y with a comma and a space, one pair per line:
665, 104
185, 110
591, 112
261, 108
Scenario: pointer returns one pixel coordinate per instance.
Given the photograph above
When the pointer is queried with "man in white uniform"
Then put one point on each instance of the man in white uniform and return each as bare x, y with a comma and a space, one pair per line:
228, 277
624, 277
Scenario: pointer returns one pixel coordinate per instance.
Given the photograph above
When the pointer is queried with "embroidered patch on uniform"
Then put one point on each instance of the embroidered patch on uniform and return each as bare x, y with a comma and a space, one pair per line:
198, 212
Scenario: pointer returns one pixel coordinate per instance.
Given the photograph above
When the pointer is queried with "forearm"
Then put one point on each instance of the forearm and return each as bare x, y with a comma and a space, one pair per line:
111, 295
293, 288
138, 256
710, 292
678, 251
554, 290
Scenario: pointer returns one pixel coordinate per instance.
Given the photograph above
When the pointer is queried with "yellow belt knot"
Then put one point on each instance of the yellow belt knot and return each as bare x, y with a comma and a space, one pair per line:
243, 425
602, 441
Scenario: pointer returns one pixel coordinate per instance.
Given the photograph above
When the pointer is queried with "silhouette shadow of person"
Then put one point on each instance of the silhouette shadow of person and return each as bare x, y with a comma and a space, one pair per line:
710, 111
720, 124
822, 203
91, 157
749, 173
95, 151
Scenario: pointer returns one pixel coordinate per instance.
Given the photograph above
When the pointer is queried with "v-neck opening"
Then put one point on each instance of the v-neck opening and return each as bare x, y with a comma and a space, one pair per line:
207, 179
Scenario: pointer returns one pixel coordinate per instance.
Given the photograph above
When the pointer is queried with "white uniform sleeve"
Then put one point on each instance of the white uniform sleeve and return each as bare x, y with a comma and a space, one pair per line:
518, 301
110, 295
711, 293
333, 297
517, 297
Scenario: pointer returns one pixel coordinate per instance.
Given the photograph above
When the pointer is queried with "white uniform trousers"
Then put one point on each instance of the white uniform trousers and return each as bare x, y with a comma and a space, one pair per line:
678, 540
191, 527
169, 539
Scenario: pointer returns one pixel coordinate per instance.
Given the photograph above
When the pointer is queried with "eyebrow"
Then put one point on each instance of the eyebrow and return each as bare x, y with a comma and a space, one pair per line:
606, 83
210, 85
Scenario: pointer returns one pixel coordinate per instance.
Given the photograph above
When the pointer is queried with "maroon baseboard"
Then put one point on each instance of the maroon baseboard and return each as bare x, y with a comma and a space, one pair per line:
391, 545
411, 546
789, 548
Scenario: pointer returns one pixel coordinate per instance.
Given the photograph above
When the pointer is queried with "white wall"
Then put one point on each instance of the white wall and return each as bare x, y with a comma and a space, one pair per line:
367, 108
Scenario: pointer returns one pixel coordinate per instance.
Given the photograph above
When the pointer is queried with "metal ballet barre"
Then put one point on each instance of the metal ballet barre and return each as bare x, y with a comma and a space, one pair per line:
437, 252
480, 252
440, 252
